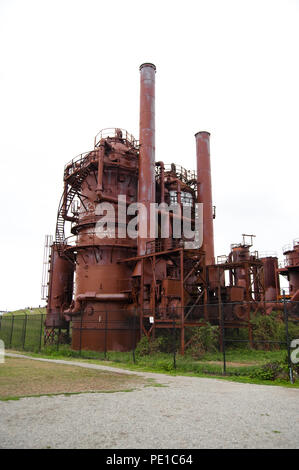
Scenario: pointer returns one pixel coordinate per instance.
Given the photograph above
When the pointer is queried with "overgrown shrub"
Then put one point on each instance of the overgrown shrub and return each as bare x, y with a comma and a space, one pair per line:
268, 328
203, 339
166, 365
169, 341
149, 346
271, 371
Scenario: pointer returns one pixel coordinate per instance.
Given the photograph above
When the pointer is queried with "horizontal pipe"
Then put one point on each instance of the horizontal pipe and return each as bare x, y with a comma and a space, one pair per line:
280, 306
76, 309
103, 297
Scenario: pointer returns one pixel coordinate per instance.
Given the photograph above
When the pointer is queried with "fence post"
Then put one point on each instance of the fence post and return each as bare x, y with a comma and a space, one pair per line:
286, 320
223, 338
106, 325
11, 332
41, 332
80, 344
134, 337
58, 339
24, 331
174, 343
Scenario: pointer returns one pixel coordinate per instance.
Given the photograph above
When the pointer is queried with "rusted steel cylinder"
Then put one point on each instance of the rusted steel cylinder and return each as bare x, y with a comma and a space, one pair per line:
204, 192
60, 289
292, 257
105, 326
293, 281
292, 265
237, 255
146, 184
271, 277
101, 315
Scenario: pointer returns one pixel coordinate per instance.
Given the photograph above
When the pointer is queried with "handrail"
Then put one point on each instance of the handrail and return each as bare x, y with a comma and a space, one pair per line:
268, 254
222, 259
287, 248
156, 246
92, 238
290, 246
76, 162
181, 172
289, 262
113, 132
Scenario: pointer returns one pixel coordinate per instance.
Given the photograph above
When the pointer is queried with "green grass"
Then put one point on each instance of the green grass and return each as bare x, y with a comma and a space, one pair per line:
24, 377
68, 394
163, 363
26, 332
28, 311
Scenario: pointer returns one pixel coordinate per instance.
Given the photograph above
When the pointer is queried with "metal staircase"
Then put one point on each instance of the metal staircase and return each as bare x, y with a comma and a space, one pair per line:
72, 188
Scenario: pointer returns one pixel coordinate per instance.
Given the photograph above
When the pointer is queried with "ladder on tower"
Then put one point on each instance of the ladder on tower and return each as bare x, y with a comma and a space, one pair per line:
46, 266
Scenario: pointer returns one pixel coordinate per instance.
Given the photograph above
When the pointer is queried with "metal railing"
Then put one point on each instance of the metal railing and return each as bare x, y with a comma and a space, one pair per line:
115, 133
289, 262
78, 162
92, 238
184, 175
267, 254
157, 246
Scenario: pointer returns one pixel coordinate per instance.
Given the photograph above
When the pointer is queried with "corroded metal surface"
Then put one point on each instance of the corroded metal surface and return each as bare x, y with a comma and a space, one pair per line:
113, 287
146, 181
204, 191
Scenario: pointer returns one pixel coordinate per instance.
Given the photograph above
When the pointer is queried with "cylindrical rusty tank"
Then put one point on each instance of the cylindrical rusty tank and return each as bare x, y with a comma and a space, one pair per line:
102, 303
60, 289
238, 254
292, 266
271, 277
204, 192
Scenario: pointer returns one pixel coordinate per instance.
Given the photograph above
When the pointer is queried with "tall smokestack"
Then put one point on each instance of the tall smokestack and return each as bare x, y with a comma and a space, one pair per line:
204, 192
146, 188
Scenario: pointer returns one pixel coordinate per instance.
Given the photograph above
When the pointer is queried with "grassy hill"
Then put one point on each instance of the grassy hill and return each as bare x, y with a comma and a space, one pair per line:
35, 310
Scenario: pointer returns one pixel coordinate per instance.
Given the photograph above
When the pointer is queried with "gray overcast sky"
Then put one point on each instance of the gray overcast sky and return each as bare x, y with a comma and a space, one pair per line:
70, 68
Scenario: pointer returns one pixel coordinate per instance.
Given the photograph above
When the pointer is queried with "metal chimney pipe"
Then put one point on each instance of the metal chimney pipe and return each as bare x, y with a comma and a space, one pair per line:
204, 192
146, 182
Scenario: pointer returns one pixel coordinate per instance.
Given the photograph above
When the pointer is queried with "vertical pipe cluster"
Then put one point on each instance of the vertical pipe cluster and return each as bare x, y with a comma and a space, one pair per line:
146, 185
204, 192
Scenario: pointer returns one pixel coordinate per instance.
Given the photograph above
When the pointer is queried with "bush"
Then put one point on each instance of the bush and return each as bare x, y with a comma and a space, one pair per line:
166, 365
149, 346
168, 341
271, 371
203, 339
268, 328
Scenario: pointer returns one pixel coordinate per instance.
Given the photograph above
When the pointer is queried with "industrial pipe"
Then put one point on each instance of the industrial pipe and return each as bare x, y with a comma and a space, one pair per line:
146, 182
100, 167
204, 192
113, 297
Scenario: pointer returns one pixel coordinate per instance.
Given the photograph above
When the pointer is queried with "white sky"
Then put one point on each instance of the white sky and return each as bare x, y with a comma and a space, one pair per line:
70, 68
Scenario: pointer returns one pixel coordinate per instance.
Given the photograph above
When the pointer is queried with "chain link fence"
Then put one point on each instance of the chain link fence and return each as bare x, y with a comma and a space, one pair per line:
27, 333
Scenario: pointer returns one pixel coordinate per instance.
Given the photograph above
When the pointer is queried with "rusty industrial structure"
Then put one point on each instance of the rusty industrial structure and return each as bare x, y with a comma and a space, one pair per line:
96, 283
290, 269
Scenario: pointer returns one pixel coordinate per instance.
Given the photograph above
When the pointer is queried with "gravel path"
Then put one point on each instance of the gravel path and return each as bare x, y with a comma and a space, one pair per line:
188, 413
